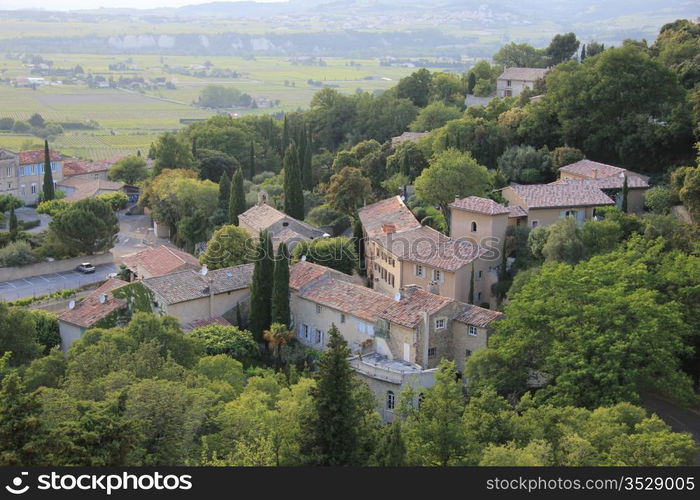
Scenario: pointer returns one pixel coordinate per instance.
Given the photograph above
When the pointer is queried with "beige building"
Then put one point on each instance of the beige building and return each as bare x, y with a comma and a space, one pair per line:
192, 296
86, 314
22, 174
79, 188
86, 170
397, 342
157, 261
282, 228
400, 252
513, 81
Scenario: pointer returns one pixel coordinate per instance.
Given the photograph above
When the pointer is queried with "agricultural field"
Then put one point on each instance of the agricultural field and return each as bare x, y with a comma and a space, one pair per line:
131, 120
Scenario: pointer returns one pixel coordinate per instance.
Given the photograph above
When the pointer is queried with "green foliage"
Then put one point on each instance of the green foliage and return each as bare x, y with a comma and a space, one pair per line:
485, 77
129, 170
563, 156
451, 175
47, 334
53, 207
18, 335
336, 253
434, 115
689, 194
118, 200
564, 242
520, 55
229, 340
326, 216
562, 48
526, 165
260, 315
391, 450
138, 298
659, 199
228, 246
348, 190
169, 152
48, 371
49, 190
280, 288
86, 227
293, 189
17, 253
236, 203
8, 202
217, 96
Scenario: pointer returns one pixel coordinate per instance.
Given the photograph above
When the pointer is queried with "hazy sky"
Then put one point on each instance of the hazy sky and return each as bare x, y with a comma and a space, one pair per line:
91, 4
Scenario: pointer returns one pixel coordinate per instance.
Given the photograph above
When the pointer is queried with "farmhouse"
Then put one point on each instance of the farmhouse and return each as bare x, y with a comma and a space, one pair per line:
88, 170
513, 80
157, 261
22, 174
282, 228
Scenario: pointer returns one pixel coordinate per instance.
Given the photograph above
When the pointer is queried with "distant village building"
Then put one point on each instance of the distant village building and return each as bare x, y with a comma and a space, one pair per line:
514, 80
88, 170
79, 188
158, 261
22, 174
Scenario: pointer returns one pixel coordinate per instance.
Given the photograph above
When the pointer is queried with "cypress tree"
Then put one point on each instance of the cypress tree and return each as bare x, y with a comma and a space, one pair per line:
625, 193
239, 317
49, 191
583, 52
330, 436
259, 313
471, 83
358, 236
236, 204
280, 287
391, 450
293, 192
285, 136
251, 172
307, 172
471, 286
14, 225
224, 192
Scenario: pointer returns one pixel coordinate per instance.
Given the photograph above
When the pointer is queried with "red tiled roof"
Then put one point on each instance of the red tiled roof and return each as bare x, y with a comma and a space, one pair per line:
90, 310
391, 211
409, 311
157, 261
478, 316
78, 167
425, 245
515, 211
523, 74
303, 273
261, 216
37, 156
578, 194
633, 182
349, 298
480, 205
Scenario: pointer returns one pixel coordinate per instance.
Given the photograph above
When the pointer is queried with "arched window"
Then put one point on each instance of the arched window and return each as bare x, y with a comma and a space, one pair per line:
390, 400
473, 227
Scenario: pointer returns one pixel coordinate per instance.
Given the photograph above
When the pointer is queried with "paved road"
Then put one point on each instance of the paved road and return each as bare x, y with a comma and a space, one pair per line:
680, 419
50, 283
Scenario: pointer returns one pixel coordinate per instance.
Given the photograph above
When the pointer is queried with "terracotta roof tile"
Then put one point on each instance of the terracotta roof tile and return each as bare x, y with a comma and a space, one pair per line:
515, 211
561, 195
348, 298
282, 227
409, 311
523, 74
425, 245
188, 285
391, 211
217, 320
261, 216
478, 316
480, 205
90, 310
37, 156
160, 260
81, 167
303, 273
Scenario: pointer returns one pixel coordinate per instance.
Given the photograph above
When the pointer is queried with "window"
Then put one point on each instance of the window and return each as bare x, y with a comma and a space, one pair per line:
370, 330
390, 400
437, 275
304, 331
23, 190
361, 326
467, 353
9, 171
478, 296
33, 188
440, 324
473, 227
508, 84
318, 309
472, 330
319, 337
479, 275
291, 321
431, 352
535, 223
342, 318
419, 271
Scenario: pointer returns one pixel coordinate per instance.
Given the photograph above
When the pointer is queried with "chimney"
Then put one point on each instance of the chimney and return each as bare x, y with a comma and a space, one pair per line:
408, 290
388, 228
262, 197
434, 288
595, 173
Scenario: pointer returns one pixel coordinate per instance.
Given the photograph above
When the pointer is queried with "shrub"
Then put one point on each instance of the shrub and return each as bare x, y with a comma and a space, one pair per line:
326, 216
21, 127
53, 207
46, 328
7, 123
26, 225
659, 199
18, 253
116, 200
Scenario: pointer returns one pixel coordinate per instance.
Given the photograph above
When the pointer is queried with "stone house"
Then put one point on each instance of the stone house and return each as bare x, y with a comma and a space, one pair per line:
87, 170
157, 261
282, 228
192, 296
514, 80
396, 342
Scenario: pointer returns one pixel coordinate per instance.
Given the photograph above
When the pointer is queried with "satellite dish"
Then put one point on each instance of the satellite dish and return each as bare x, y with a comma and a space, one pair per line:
103, 299
204, 271
397, 296
303, 258
71, 304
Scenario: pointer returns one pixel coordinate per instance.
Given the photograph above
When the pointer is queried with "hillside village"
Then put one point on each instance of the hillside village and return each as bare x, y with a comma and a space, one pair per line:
533, 252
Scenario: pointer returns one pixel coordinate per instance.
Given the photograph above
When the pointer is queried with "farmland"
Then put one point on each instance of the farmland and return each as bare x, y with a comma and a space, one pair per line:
131, 120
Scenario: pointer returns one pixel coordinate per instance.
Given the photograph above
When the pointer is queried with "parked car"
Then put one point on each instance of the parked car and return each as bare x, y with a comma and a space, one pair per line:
85, 268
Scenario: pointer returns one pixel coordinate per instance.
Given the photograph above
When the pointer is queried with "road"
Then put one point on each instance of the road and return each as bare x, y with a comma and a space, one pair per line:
680, 419
50, 283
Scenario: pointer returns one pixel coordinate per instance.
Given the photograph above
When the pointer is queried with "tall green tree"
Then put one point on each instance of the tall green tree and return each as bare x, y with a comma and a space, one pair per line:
624, 194
358, 238
293, 190
49, 189
236, 204
307, 160
86, 227
260, 311
169, 152
562, 48
14, 225
285, 136
18, 335
280, 287
130, 170
391, 450
224, 192
331, 434
251, 162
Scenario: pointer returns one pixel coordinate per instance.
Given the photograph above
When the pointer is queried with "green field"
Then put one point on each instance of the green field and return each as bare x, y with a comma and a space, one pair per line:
131, 120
